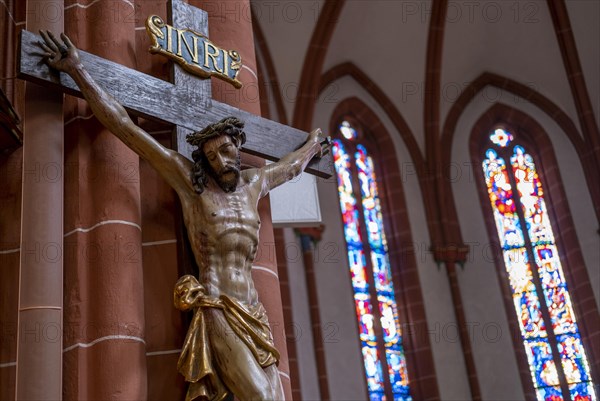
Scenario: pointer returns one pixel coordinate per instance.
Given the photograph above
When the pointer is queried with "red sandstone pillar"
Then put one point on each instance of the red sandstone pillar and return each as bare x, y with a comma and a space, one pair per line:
10, 205
230, 27
104, 343
40, 318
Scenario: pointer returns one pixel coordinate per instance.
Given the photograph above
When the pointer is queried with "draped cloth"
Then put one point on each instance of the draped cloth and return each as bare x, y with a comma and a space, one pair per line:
249, 323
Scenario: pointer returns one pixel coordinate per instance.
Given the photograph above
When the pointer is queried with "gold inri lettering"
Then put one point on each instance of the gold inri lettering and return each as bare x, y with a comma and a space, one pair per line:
211, 54
181, 37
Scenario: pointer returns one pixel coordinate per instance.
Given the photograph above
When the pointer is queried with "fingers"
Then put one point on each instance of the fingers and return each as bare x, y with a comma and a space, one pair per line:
67, 41
55, 48
56, 41
325, 145
46, 48
48, 52
327, 141
44, 55
48, 41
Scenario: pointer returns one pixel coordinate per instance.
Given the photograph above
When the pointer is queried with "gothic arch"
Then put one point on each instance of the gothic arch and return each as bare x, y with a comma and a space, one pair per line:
401, 252
351, 70
539, 146
543, 103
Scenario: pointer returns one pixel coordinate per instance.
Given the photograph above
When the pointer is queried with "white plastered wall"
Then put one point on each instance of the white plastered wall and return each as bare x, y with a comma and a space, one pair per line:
387, 40
288, 27
510, 38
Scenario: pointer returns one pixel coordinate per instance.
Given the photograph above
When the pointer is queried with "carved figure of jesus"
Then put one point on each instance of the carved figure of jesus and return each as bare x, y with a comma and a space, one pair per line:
229, 348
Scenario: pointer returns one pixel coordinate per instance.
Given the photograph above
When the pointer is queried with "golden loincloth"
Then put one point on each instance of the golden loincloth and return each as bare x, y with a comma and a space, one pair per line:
195, 362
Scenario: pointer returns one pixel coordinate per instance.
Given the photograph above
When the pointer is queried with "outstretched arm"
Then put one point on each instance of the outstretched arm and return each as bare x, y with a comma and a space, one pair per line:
63, 56
291, 165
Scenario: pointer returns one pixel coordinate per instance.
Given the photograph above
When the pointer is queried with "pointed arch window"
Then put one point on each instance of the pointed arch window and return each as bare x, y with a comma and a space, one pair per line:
367, 249
549, 331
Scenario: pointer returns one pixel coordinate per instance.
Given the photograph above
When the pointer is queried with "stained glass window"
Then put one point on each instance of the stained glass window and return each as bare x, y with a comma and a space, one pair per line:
383, 355
549, 331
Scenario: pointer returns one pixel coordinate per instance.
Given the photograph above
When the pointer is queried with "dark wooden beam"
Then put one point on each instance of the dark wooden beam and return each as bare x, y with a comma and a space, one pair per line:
143, 95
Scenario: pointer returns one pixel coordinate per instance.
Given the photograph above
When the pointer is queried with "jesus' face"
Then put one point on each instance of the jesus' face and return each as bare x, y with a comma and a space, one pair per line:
224, 160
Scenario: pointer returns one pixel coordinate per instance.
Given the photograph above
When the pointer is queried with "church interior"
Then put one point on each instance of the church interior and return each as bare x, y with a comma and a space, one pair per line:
452, 254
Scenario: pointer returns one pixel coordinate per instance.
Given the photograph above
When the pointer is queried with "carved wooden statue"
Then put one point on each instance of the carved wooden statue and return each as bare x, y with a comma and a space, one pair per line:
229, 348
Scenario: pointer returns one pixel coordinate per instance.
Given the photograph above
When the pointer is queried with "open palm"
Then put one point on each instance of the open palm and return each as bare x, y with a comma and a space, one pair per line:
61, 55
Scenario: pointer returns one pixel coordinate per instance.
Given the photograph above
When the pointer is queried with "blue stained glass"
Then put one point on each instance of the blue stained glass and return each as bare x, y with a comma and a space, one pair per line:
531, 196
539, 354
527, 305
501, 198
356, 259
380, 260
370, 199
376, 396
378, 254
364, 312
549, 394
582, 391
575, 367
402, 397
560, 310
550, 269
397, 366
357, 264
381, 271
373, 368
555, 295
389, 320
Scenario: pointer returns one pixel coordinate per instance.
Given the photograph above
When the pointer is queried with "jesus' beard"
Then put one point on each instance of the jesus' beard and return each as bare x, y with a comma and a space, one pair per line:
228, 185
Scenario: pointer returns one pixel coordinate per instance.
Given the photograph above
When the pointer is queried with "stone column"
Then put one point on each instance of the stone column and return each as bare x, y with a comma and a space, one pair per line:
104, 345
230, 26
40, 316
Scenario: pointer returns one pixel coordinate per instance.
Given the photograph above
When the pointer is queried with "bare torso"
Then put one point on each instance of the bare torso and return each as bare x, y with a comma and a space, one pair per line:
223, 232
222, 227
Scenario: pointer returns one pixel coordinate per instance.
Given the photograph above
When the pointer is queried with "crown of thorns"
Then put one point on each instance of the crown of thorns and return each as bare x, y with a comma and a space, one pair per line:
231, 126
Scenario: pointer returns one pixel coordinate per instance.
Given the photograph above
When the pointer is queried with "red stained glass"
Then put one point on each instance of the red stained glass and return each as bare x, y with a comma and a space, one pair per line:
377, 252
364, 312
528, 196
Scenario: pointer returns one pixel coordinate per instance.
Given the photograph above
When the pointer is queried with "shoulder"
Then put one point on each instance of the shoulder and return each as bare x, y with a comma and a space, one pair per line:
255, 180
252, 175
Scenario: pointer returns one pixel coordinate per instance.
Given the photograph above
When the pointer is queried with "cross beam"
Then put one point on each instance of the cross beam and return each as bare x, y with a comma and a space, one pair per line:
184, 106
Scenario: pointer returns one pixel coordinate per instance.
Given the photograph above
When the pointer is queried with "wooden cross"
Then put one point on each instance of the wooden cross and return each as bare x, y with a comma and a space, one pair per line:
186, 103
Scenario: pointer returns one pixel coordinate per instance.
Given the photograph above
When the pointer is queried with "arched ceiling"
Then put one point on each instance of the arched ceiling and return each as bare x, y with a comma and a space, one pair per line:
389, 41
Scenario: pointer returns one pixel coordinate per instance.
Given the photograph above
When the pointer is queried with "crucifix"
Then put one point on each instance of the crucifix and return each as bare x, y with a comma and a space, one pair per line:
186, 103
229, 348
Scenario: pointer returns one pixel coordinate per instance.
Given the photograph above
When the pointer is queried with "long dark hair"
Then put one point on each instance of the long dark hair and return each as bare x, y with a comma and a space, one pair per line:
231, 126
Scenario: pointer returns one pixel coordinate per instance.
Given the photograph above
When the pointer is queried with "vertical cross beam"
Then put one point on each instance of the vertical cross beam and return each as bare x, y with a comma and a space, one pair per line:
181, 14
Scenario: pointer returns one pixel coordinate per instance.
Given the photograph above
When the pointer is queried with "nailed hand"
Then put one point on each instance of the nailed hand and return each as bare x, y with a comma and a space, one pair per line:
61, 54
324, 142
